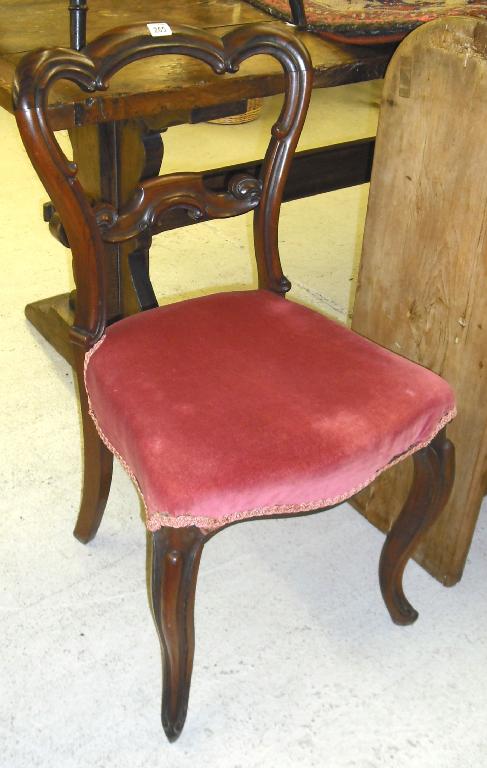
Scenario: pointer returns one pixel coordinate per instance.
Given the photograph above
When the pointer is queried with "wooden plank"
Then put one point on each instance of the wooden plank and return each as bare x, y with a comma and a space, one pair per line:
422, 282
173, 85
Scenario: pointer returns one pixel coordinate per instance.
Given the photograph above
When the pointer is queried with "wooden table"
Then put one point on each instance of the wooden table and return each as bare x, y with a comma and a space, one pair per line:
116, 136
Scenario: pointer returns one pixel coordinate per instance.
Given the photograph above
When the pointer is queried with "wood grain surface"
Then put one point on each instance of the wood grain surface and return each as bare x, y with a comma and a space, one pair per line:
424, 266
175, 86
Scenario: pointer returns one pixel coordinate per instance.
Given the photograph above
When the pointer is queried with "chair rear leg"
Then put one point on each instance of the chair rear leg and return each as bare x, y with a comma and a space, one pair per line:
434, 472
97, 474
176, 554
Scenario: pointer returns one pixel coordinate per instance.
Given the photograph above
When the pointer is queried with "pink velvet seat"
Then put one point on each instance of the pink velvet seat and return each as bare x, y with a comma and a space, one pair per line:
238, 405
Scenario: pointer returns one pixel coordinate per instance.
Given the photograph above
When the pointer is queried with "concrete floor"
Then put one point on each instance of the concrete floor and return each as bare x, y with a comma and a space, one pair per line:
297, 662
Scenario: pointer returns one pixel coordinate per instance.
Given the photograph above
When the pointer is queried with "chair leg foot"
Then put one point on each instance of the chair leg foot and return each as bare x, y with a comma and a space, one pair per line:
96, 487
176, 554
97, 479
434, 471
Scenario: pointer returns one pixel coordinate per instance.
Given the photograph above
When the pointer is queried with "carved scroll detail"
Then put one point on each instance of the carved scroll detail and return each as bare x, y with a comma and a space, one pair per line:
155, 197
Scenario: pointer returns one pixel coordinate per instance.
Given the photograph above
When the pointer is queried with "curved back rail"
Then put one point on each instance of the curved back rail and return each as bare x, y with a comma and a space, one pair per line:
87, 227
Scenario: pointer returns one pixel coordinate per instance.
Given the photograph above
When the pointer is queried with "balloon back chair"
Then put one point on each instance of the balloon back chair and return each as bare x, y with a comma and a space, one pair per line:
235, 405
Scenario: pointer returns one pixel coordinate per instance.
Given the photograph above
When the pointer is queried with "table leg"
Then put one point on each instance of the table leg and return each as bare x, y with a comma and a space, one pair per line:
111, 159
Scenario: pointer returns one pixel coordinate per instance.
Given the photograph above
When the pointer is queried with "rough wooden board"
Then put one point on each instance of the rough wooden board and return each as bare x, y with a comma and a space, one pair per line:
422, 283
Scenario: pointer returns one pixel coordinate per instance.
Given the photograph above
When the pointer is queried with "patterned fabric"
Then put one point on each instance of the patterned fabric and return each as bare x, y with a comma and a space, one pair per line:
371, 21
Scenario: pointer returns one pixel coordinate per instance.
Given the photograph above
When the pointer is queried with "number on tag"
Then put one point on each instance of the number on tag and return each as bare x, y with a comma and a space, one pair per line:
160, 29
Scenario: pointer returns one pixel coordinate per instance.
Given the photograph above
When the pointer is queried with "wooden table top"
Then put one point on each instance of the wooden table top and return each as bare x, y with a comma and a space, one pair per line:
170, 84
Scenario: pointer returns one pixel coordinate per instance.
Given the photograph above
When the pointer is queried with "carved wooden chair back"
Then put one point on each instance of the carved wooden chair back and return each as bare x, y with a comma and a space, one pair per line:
86, 227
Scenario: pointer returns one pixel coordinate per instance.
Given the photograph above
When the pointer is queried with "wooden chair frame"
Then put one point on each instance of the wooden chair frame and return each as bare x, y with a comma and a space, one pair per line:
177, 551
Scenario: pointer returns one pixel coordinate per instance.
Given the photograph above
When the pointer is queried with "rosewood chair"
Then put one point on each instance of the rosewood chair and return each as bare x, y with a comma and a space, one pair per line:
235, 405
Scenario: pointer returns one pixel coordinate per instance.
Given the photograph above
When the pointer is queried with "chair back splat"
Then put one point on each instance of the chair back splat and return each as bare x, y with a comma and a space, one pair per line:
86, 228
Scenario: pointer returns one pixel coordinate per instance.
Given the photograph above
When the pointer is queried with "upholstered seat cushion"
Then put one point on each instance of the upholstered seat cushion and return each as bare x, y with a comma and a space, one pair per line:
243, 404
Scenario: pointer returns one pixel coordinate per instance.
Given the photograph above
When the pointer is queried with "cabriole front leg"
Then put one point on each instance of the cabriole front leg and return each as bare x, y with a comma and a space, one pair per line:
434, 471
176, 554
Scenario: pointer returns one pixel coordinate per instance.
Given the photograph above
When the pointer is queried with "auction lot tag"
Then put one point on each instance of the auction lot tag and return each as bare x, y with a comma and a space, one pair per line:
160, 29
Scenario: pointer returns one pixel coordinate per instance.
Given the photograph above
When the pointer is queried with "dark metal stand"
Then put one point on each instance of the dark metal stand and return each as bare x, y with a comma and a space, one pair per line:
298, 15
78, 10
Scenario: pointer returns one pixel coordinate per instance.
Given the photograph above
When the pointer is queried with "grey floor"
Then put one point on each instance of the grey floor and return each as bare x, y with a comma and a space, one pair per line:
297, 662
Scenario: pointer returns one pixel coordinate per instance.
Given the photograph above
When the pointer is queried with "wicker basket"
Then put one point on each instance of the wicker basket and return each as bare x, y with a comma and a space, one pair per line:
254, 108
